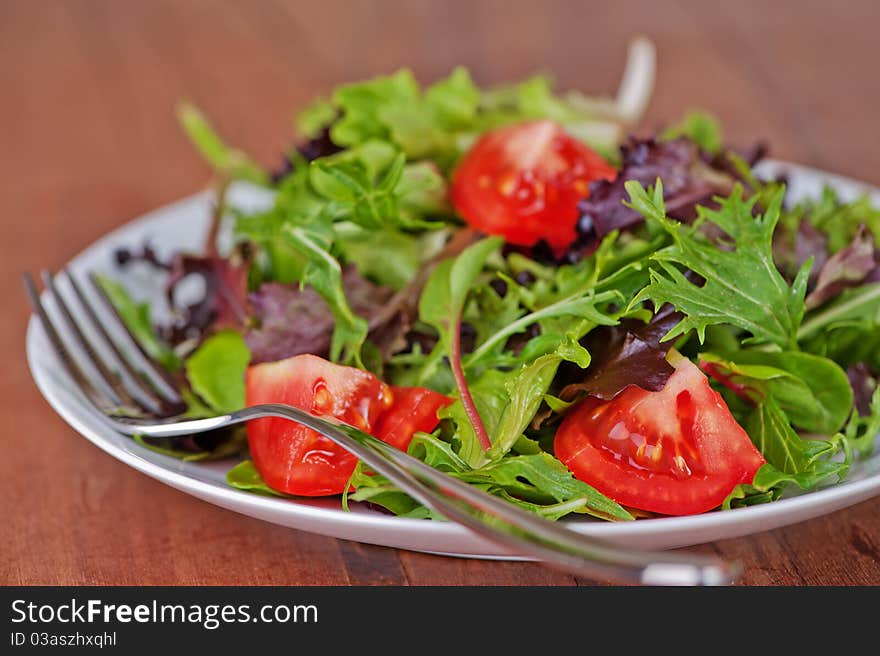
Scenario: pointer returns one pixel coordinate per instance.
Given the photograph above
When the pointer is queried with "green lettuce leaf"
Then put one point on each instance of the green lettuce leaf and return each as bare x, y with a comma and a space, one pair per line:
700, 127
323, 272
354, 195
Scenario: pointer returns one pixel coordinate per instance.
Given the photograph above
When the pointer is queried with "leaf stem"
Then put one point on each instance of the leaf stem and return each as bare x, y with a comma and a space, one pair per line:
461, 383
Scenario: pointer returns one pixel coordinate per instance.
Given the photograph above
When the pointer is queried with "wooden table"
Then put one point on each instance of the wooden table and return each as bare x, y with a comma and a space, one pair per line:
89, 141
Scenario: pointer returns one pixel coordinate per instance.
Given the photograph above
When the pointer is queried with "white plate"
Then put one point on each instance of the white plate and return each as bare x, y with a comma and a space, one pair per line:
182, 225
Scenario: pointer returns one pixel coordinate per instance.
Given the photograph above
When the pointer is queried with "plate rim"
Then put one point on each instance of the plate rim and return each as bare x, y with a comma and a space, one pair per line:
247, 503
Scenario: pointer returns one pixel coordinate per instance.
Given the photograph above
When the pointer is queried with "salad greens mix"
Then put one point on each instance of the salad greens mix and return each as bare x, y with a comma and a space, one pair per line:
366, 259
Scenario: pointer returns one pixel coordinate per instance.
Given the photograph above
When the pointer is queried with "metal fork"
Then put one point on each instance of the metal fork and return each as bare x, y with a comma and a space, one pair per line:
136, 396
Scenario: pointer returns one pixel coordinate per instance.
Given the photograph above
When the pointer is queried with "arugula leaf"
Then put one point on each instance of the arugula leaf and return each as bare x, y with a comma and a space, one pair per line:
216, 371
525, 392
806, 462
444, 295
538, 482
136, 317
580, 305
811, 390
437, 453
227, 162
542, 479
323, 273
743, 287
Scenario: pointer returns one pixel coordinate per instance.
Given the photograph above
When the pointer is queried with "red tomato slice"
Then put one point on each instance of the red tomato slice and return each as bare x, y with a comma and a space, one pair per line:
524, 181
297, 460
678, 451
414, 410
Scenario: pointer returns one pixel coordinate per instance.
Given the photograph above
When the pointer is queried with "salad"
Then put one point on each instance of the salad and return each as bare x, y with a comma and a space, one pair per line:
522, 290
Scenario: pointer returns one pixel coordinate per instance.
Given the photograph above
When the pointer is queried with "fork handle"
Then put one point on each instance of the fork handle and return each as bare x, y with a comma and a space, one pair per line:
522, 532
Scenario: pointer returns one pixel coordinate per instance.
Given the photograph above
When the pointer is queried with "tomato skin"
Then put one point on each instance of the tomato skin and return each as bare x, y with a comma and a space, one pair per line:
297, 460
678, 451
414, 410
524, 181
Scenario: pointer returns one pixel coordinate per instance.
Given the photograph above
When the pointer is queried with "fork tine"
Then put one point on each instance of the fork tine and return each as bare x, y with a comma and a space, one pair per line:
92, 393
158, 374
76, 332
143, 384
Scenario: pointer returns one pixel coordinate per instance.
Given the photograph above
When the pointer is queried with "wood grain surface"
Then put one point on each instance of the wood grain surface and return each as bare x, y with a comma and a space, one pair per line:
89, 141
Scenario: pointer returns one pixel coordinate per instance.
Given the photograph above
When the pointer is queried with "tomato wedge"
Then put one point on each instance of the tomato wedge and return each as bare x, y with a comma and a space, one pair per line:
678, 451
297, 460
414, 410
524, 181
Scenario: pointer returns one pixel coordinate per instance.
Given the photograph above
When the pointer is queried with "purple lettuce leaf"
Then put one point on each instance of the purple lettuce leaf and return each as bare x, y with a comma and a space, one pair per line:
689, 179
629, 353
321, 145
863, 382
848, 267
289, 320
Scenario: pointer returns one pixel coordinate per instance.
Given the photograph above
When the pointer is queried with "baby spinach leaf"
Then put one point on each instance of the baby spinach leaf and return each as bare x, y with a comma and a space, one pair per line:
216, 370
812, 391
245, 476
